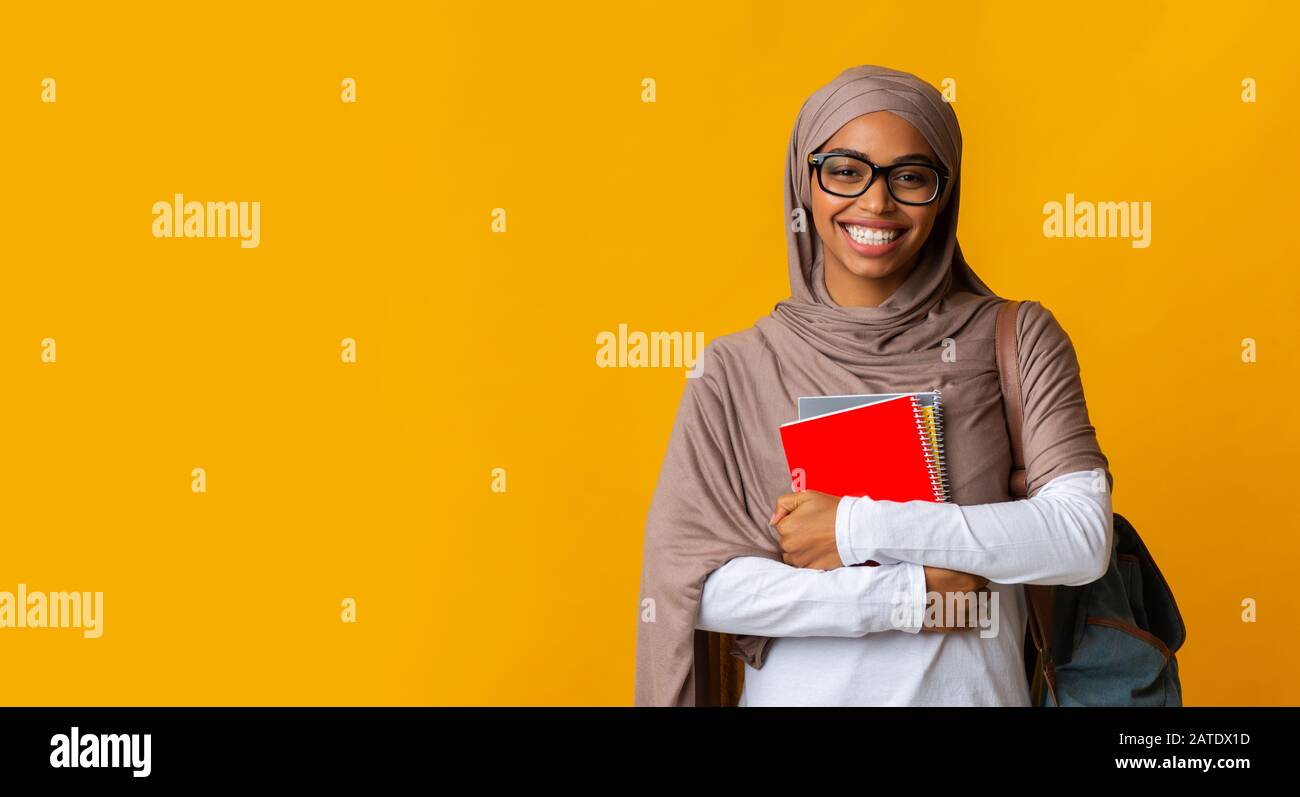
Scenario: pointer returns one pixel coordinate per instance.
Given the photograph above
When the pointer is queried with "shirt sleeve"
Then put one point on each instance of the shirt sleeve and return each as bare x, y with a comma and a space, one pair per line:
755, 595
1062, 535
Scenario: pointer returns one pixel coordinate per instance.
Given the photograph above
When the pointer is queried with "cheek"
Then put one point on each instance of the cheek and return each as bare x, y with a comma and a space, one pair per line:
922, 227
824, 211
820, 209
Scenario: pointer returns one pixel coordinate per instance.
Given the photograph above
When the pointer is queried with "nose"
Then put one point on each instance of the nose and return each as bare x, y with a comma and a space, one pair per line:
876, 200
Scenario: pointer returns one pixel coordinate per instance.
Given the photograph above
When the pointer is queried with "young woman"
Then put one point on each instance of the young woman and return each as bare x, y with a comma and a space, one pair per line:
881, 300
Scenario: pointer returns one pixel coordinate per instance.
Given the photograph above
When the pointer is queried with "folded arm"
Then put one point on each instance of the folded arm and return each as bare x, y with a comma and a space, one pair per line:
764, 597
1062, 535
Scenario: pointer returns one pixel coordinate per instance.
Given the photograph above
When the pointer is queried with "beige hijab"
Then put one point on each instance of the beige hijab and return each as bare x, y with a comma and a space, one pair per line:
725, 467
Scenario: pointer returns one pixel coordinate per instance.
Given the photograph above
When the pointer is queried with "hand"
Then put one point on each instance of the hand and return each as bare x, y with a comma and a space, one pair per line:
806, 521
943, 581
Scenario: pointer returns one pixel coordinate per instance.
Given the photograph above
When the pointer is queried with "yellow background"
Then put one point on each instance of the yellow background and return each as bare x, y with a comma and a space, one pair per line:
477, 350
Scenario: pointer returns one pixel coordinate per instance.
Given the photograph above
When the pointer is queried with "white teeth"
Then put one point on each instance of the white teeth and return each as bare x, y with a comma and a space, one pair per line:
870, 235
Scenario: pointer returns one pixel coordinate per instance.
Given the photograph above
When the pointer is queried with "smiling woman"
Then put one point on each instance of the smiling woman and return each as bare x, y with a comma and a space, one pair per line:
744, 605
872, 237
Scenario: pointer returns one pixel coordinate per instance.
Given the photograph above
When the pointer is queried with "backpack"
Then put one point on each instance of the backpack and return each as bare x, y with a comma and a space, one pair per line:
1107, 643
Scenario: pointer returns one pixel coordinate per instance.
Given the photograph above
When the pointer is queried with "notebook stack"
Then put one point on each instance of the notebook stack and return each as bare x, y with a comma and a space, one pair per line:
887, 446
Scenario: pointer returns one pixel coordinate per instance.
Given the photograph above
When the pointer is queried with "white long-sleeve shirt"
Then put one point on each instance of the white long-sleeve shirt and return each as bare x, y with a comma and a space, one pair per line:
850, 636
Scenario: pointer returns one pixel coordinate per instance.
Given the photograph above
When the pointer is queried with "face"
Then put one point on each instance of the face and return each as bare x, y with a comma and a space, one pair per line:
863, 272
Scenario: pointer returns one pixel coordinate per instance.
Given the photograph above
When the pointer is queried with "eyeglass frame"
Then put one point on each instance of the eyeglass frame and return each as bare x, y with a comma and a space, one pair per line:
815, 159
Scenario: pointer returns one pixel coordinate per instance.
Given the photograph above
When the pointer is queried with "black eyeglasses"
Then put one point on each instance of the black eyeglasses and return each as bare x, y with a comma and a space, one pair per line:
850, 176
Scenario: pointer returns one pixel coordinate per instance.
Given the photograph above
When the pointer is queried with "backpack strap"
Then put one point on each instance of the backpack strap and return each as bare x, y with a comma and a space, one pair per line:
1039, 598
1007, 355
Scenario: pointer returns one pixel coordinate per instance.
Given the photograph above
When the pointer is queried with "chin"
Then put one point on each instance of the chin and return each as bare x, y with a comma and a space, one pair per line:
871, 267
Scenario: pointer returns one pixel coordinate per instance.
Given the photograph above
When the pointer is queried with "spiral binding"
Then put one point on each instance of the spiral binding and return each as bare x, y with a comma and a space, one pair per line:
938, 442
935, 464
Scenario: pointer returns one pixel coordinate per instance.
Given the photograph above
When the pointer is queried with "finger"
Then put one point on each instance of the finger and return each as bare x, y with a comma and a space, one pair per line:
785, 504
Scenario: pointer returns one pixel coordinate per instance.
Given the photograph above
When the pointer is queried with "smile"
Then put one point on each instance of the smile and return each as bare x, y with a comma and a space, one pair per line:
871, 241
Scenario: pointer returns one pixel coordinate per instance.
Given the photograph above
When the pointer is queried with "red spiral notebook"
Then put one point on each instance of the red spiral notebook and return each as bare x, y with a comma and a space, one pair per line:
881, 450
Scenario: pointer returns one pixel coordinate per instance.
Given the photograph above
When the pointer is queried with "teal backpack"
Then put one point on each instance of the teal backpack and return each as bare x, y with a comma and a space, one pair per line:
1111, 642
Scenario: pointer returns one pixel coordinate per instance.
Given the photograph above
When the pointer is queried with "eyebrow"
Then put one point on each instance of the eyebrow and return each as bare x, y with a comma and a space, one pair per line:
912, 156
